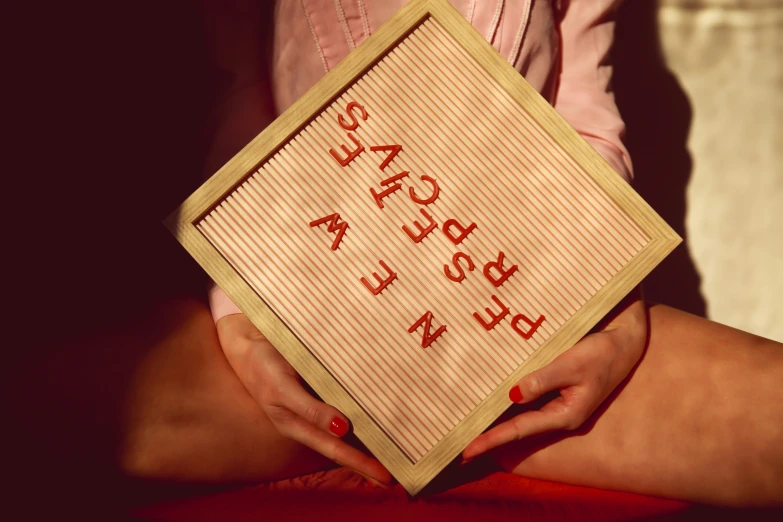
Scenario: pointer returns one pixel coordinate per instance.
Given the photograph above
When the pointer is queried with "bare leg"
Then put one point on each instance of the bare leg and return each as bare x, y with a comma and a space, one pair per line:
138, 411
187, 418
700, 419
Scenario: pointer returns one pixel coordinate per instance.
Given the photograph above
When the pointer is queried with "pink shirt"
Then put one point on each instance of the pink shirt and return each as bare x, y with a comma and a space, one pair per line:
561, 47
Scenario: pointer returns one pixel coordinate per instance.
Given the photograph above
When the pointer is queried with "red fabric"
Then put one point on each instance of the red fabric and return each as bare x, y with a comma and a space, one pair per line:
340, 494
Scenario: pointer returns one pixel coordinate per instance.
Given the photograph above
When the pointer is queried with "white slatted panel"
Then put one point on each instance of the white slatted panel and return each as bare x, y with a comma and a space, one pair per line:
494, 167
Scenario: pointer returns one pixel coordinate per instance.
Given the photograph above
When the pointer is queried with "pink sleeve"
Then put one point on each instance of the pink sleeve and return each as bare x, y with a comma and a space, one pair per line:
584, 96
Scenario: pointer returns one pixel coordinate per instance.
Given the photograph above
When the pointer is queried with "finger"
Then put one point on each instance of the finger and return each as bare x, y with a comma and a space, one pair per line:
525, 425
331, 447
561, 372
293, 396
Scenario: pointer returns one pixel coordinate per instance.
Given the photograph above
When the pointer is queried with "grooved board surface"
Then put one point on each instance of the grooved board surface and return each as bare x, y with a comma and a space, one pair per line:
494, 167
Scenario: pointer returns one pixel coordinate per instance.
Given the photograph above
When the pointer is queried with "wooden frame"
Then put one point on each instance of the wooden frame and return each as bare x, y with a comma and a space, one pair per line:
184, 225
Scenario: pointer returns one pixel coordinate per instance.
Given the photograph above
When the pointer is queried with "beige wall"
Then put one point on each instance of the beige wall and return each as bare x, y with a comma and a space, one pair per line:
725, 77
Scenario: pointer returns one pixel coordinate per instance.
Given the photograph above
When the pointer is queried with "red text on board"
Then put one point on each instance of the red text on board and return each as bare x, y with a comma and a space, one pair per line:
497, 271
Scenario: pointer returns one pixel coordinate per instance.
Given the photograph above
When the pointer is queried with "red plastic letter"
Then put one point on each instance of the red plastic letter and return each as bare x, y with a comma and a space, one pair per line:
383, 283
388, 181
378, 196
350, 154
354, 122
499, 266
533, 325
463, 231
422, 230
393, 150
427, 339
455, 259
396, 177
435, 192
494, 319
334, 226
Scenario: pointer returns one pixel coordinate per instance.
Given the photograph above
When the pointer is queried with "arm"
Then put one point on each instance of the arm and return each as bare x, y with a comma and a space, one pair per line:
584, 96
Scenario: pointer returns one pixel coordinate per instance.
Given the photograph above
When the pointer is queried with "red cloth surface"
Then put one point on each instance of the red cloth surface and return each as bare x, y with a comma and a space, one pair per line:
340, 494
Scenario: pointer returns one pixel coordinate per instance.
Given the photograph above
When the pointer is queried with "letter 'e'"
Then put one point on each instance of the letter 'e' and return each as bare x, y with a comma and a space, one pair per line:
350, 154
494, 319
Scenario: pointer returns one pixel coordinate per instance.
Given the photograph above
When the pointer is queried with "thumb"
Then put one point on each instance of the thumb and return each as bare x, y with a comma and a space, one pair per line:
557, 374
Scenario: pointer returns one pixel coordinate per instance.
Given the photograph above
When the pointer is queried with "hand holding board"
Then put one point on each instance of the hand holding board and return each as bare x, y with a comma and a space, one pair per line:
419, 231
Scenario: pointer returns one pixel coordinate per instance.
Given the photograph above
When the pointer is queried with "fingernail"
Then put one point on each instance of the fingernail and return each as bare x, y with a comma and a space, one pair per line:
515, 394
339, 427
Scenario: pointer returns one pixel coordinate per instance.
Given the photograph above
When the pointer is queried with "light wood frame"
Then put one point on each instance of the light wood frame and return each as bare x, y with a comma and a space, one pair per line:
182, 223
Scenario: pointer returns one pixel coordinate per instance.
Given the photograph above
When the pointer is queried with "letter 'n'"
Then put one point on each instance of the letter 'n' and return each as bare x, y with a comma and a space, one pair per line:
427, 339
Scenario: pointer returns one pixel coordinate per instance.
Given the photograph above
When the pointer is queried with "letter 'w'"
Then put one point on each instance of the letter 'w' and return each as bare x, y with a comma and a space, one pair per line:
427, 339
334, 226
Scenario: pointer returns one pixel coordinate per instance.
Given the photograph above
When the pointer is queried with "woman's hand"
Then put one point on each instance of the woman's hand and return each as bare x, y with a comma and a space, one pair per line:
296, 414
585, 375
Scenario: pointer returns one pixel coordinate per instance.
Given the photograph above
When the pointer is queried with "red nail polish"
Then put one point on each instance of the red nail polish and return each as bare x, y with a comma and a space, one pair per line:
339, 427
515, 394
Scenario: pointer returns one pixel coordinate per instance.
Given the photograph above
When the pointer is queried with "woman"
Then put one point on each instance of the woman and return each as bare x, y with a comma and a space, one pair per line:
562, 50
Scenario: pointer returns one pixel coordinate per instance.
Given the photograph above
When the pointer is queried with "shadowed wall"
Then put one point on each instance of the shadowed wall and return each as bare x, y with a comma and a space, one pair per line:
700, 84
